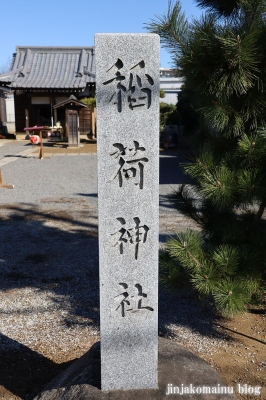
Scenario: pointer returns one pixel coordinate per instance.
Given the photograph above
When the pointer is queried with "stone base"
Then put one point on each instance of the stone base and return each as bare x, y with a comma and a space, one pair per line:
177, 366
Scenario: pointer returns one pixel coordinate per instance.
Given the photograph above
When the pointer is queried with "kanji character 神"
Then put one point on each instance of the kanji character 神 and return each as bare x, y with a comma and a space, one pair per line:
133, 235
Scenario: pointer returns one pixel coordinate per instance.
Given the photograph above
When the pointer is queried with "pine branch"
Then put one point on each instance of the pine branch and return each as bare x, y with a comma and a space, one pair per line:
205, 280
261, 210
187, 200
222, 8
186, 248
253, 10
231, 296
172, 27
226, 259
222, 56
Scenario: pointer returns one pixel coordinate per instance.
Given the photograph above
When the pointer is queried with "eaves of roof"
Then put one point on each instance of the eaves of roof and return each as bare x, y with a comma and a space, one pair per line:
71, 100
51, 67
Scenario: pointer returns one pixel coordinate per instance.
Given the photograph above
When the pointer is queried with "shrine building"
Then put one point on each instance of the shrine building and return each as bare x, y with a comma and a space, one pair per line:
42, 77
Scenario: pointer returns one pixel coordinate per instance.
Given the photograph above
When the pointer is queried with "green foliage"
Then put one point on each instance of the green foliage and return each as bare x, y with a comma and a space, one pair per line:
223, 58
167, 114
175, 20
226, 259
218, 272
222, 7
187, 112
223, 62
162, 94
231, 296
184, 246
89, 101
171, 272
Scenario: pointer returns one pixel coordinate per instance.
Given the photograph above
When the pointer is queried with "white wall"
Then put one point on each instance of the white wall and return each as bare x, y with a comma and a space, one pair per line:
171, 86
10, 114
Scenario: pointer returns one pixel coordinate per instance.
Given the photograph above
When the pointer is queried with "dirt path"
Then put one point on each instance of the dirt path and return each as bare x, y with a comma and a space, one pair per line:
244, 362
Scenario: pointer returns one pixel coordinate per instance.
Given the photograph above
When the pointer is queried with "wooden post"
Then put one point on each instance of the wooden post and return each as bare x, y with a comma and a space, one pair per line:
66, 124
2, 184
27, 117
41, 149
93, 122
55, 116
2, 109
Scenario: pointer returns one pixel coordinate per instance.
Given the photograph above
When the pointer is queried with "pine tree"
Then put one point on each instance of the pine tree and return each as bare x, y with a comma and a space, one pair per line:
223, 59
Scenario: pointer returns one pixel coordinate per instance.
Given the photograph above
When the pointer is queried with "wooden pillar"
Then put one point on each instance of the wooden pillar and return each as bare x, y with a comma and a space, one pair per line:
28, 109
27, 117
66, 114
93, 123
52, 114
55, 115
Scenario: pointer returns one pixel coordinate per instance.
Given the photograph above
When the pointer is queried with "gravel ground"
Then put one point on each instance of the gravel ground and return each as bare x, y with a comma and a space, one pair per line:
49, 299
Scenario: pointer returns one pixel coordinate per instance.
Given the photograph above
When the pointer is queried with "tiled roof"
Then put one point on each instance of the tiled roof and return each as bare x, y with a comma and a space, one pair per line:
51, 67
72, 99
3, 89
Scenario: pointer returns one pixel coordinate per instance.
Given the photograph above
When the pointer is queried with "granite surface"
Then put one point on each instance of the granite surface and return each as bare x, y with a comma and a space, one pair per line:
181, 374
127, 81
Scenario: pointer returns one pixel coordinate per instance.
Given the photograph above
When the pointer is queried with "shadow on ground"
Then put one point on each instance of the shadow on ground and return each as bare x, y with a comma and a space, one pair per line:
170, 171
50, 251
57, 250
23, 371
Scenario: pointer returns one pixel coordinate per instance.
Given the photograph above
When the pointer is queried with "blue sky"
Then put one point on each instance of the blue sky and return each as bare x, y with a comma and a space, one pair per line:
74, 23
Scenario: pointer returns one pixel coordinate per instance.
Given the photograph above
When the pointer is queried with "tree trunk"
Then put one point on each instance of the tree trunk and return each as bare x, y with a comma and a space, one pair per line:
261, 210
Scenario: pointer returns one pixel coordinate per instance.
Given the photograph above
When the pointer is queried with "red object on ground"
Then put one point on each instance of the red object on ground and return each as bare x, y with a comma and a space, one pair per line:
35, 139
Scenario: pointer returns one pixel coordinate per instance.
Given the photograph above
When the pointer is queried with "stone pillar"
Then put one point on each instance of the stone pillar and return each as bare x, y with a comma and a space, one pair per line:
127, 95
